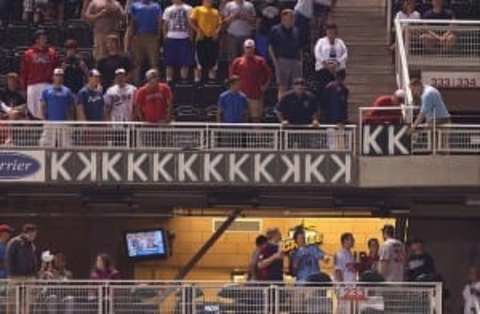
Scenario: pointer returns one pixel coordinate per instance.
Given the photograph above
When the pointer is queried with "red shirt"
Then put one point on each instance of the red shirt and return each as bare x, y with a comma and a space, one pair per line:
38, 65
383, 116
253, 72
154, 102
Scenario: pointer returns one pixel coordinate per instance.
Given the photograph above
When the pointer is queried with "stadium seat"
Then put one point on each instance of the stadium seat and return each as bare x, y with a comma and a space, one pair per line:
208, 94
54, 33
6, 58
184, 94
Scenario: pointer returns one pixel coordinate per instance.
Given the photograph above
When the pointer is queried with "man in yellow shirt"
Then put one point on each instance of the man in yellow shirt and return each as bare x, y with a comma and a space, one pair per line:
207, 23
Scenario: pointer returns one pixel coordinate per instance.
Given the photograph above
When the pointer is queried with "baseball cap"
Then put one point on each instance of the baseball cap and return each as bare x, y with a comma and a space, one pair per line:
94, 72
151, 74
58, 71
399, 93
6, 228
249, 43
39, 33
120, 71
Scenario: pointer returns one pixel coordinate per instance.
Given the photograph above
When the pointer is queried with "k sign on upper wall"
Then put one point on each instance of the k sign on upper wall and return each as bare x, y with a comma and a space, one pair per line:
210, 168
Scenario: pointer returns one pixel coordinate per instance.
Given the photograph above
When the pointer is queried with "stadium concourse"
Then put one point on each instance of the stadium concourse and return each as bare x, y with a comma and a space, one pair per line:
241, 156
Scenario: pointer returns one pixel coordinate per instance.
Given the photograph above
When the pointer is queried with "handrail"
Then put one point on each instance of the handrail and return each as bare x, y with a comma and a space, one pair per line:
448, 22
402, 68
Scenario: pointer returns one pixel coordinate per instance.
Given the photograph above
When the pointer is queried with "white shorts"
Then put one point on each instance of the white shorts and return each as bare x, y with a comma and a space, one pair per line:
34, 96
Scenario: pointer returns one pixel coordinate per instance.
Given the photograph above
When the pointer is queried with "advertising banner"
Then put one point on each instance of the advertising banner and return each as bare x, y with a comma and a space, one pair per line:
22, 166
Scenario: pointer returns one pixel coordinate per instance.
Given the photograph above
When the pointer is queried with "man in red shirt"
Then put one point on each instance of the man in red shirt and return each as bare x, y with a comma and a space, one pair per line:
255, 76
153, 102
392, 116
37, 68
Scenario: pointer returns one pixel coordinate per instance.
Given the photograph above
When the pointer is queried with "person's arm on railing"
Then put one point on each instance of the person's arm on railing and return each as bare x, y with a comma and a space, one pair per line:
418, 121
268, 261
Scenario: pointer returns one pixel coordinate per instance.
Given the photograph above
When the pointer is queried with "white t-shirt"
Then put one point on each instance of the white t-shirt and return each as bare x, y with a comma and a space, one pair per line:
472, 302
404, 16
120, 101
240, 27
345, 263
176, 17
392, 254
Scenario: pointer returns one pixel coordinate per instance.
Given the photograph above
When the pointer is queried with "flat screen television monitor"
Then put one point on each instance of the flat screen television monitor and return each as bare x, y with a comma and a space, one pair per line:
146, 244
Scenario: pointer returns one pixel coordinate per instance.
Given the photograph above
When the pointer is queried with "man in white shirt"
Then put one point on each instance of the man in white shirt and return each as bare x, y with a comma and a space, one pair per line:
392, 256
345, 270
178, 35
331, 56
119, 98
239, 16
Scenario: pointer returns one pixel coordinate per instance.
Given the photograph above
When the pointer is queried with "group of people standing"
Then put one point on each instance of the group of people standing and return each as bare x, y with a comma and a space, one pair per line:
392, 261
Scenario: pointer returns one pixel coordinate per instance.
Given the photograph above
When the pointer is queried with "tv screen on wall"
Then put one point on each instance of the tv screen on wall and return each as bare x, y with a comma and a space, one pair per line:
146, 244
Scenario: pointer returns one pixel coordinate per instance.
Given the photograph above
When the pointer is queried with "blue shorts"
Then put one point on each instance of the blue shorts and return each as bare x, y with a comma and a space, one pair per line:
178, 52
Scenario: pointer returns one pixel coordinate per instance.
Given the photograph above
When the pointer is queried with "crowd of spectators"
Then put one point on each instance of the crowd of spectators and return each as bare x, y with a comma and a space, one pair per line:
137, 44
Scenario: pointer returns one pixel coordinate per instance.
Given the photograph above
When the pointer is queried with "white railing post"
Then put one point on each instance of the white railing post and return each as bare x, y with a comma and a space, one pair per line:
388, 17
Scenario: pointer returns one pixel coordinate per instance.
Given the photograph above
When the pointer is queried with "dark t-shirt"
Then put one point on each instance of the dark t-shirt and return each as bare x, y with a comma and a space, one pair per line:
335, 103
298, 109
445, 14
74, 76
92, 102
108, 65
287, 43
12, 98
274, 272
417, 265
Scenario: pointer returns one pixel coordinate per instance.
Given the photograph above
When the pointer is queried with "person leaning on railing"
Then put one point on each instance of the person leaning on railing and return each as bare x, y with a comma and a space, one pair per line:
433, 108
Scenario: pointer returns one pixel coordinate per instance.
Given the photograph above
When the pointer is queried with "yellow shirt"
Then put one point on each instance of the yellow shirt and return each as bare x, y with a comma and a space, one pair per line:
208, 20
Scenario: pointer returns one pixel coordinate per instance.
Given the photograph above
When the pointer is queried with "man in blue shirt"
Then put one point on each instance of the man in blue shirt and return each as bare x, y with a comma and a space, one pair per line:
233, 104
5, 234
143, 34
433, 108
57, 105
90, 104
305, 259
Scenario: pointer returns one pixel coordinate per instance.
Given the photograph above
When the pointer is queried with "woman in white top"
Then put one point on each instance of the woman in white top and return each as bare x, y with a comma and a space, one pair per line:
408, 11
331, 56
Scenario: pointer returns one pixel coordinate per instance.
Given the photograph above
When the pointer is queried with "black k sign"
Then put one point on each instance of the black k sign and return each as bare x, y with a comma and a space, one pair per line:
385, 140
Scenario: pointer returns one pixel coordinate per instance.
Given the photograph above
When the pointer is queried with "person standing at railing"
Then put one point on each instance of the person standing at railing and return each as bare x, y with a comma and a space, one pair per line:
90, 103
435, 39
345, 266
58, 104
298, 106
377, 115
153, 101
5, 234
471, 292
12, 107
119, 99
260, 243
233, 104
391, 264
21, 256
369, 261
334, 105
104, 269
36, 71
255, 76
420, 264
433, 108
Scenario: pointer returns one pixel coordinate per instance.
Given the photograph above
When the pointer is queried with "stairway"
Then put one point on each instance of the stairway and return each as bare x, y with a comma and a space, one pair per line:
370, 72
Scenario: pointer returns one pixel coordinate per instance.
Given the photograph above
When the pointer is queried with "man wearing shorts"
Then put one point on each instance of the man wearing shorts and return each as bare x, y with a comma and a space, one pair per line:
255, 76
286, 52
178, 47
206, 22
37, 68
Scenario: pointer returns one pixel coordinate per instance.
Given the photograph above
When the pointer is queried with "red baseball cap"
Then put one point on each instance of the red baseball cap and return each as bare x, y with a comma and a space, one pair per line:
6, 228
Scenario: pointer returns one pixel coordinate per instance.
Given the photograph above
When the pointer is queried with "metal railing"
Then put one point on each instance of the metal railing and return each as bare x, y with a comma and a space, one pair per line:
147, 297
176, 136
443, 43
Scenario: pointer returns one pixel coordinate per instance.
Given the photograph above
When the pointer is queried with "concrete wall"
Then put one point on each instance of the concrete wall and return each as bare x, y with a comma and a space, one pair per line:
419, 171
